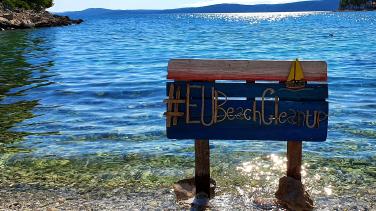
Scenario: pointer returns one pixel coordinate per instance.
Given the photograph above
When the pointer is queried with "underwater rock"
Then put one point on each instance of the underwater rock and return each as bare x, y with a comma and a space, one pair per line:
201, 202
186, 189
291, 194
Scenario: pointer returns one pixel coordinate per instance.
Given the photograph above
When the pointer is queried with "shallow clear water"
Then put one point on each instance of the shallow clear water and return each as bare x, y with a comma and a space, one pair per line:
87, 100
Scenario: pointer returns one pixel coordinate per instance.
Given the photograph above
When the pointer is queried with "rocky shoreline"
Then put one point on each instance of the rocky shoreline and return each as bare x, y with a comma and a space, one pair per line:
27, 197
23, 19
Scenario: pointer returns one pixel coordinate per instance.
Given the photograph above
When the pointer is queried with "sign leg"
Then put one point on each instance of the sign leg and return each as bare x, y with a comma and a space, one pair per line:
291, 192
202, 169
294, 159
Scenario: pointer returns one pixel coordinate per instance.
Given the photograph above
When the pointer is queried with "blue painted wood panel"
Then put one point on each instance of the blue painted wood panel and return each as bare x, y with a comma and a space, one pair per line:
310, 92
248, 112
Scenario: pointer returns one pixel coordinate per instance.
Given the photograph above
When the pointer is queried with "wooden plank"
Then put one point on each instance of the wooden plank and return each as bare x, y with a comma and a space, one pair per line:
250, 83
202, 166
196, 69
221, 108
245, 133
247, 120
294, 159
314, 92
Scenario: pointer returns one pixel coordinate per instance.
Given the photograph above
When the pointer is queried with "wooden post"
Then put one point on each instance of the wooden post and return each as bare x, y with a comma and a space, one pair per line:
202, 169
294, 159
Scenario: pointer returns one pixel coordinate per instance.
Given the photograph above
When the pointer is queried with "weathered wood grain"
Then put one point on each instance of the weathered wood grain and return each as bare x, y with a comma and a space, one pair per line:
313, 92
202, 166
239, 125
294, 159
196, 69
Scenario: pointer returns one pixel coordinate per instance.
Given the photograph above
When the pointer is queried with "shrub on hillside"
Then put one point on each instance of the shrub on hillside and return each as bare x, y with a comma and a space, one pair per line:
27, 4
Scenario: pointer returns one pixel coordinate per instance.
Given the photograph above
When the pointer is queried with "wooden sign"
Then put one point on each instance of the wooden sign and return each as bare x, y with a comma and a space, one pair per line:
246, 111
285, 106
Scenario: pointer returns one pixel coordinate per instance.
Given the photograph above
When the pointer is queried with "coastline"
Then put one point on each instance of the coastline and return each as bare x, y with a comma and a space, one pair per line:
24, 19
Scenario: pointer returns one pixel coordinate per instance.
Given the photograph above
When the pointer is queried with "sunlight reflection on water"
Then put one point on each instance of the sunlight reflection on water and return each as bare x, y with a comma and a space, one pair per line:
254, 18
269, 170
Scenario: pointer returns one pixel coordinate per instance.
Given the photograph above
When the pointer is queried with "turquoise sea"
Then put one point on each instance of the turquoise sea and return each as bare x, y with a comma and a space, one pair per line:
81, 107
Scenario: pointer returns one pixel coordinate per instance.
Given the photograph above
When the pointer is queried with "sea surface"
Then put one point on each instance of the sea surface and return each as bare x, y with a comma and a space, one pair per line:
81, 106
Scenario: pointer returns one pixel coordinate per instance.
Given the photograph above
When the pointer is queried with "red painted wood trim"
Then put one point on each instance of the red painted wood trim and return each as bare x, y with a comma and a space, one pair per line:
206, 70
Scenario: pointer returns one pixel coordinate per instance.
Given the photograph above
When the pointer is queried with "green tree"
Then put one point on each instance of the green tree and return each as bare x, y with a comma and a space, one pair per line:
344, 4
27, 4
353, 4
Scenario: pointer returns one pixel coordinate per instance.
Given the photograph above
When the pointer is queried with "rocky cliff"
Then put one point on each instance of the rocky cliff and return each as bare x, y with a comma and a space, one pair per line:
21, 19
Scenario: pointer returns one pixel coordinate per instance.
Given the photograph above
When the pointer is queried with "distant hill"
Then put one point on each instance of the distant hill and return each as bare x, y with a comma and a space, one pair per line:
314, 5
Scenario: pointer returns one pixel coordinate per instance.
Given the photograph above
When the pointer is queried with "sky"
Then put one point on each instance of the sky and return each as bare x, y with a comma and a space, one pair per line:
77, 5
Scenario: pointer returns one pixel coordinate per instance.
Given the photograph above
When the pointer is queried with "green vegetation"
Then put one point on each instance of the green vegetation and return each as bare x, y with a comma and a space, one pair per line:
357, 4
136, 172
27, 4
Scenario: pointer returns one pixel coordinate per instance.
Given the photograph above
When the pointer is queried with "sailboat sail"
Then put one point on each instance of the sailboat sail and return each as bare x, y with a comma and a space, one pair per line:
296, 72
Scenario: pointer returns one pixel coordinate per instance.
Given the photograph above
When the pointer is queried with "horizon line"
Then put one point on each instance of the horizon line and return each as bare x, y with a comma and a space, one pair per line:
175, 8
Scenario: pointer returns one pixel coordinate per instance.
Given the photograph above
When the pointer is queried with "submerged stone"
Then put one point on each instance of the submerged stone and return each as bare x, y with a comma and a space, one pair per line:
186, 189
291, 194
